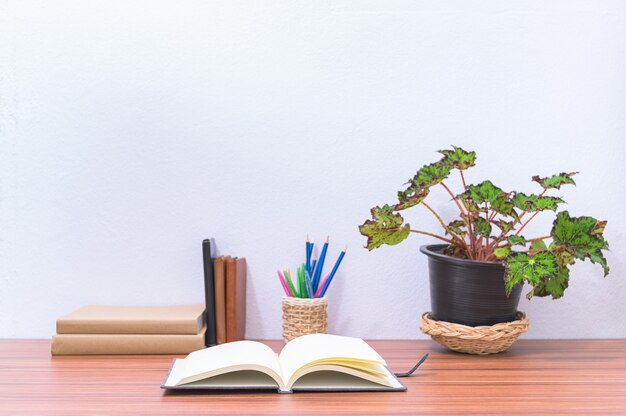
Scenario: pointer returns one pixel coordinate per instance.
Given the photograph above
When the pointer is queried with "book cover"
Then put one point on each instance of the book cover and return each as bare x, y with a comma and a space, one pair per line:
235, 299
110, 319
219, 273
209, 294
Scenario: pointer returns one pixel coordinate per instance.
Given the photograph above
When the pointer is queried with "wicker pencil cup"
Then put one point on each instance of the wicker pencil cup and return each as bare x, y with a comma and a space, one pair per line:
302, 316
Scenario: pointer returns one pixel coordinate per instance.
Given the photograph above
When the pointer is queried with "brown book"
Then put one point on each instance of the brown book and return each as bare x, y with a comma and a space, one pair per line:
105, 344
219, 275
235, 299
105, 319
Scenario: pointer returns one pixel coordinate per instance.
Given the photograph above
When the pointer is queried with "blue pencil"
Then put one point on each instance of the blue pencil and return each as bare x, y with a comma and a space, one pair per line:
320, 265
309, 246
330, 278
313, 264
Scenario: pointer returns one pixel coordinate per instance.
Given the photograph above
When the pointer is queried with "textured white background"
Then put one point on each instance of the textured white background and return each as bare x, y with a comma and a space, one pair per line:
130, 131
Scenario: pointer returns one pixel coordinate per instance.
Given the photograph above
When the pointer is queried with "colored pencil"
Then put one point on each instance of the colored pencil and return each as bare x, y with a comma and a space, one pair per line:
308, 254
290, 284
319, 289
312, 271
308, 293
309, 284
284, 284
332, 274
320, 265
300, 285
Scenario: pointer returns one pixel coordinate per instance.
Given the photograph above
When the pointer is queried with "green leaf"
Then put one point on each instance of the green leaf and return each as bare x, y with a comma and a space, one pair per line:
533, 203
482, 226
517, 240
538, 245
385, 227
503, 206
555, 181
501, 252
552, 286
459, 158
431, 175
520, 268
457, 227
418, 190
504, 226
580, 236
483, 192
410, 197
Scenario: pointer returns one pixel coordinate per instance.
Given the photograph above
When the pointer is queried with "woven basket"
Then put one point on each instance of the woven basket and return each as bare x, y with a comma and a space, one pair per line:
302, 316
480, 340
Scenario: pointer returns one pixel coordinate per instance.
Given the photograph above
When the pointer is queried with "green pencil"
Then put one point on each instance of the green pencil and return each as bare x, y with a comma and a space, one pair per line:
290, 283
302, 280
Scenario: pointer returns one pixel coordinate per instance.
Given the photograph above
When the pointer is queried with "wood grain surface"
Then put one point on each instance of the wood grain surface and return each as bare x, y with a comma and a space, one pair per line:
533, 377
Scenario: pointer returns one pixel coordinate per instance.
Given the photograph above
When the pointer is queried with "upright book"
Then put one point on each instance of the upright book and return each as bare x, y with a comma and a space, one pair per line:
219, 274
209, 294
235, 299
317, 362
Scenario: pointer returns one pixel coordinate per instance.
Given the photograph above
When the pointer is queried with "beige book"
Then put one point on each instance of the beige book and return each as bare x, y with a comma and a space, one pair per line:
310, 362
105, 319
105, 344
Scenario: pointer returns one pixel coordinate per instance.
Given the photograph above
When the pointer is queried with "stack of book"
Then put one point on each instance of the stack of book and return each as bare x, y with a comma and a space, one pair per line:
181, 329
100, 329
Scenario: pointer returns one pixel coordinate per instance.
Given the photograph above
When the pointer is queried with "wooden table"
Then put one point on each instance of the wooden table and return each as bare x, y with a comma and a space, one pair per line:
533, 377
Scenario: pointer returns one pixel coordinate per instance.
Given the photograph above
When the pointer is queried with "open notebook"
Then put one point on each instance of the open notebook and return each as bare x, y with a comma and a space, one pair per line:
308, 363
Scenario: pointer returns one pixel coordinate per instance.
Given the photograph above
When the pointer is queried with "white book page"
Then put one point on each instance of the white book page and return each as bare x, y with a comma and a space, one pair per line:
224, 358
324, 348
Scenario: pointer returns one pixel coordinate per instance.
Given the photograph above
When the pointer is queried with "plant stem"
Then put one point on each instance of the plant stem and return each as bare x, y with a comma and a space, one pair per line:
515, 222
540, 238
432, 235
463, 179
465, 216
526, 223
443, 224
452, 196
487, 218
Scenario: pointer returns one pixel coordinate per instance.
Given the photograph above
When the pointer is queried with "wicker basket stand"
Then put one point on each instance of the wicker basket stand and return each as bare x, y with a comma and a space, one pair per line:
480, 340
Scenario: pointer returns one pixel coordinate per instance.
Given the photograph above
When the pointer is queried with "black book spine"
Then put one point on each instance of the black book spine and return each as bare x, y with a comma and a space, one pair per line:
209, 295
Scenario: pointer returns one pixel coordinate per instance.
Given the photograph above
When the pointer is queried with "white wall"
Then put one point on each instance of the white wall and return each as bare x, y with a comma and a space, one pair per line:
130, 131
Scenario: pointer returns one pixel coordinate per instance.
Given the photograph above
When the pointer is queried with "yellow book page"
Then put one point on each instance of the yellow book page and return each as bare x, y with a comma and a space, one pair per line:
382, 377
315, 349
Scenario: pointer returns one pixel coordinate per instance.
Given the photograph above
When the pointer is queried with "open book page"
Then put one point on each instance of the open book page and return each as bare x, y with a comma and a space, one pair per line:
343, 352
224, 358
338, 377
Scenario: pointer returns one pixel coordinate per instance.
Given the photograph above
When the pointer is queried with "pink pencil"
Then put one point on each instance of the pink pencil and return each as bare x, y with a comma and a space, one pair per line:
321, 286
282, 282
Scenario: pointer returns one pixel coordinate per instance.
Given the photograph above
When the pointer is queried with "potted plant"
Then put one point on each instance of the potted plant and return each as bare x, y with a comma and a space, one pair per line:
476, 277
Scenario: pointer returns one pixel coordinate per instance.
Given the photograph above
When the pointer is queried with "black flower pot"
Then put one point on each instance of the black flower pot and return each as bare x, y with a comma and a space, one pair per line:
468, 292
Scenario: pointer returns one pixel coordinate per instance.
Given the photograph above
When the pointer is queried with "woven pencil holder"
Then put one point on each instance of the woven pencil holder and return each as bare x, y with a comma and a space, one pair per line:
302, 316
480, 340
